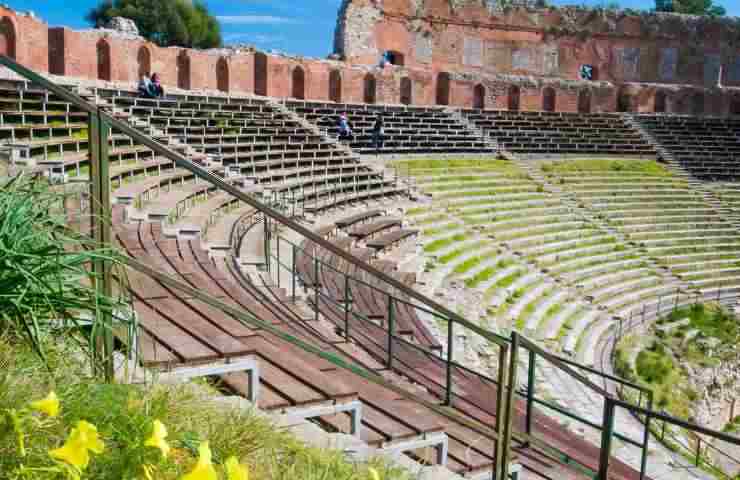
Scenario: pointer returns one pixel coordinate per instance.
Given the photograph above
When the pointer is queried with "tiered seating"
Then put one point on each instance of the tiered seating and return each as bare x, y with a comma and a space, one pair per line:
559, 132
426, 369
706, 146
260, 146
407, 129
541, 266
669, 222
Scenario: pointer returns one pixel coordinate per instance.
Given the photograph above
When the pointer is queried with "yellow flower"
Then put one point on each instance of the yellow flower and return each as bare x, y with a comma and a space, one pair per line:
204, 468
374, 475
235, 470
49, 405
82, 440
148, 472
157, 440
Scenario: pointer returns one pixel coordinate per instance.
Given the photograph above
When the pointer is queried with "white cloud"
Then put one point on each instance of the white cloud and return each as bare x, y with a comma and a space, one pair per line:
252, 37
254, 19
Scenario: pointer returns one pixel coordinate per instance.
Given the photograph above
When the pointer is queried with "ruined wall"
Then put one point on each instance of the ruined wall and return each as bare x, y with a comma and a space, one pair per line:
450, 54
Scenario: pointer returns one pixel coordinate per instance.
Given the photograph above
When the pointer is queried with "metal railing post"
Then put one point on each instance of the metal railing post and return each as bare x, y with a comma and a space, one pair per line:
509, 412
450, 350
277, 268
347, 306
646, 436
265, 222
498, 454
100, 211
293, 270
607, 434
316, 284
530, 391
391, 324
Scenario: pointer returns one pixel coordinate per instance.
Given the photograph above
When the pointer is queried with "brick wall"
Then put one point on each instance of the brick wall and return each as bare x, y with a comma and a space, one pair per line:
431, 49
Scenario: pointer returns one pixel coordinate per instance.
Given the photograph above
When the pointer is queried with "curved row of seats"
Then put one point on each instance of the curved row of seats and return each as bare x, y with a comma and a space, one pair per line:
560, 132
406, 129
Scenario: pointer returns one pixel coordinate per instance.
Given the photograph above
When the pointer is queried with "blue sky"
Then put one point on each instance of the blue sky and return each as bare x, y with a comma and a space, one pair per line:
304, 27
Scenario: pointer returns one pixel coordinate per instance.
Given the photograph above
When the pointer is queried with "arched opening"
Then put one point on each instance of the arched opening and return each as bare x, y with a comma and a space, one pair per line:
395, 58
103, 49
183, 71
479, 97
335, 86
624, 101
697, 104
7, 38
407, 91
299, 83
514, 94
735, 106
369, 86
660, 102
222, 75
260, 74
548, 99
443, 88
584, 101
144, 60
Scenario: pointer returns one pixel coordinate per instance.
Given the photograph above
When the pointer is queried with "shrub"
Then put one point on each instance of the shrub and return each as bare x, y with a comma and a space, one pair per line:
653, 366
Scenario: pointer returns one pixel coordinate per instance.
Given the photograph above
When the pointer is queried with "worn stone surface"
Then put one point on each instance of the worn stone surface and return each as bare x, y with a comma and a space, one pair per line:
123, 25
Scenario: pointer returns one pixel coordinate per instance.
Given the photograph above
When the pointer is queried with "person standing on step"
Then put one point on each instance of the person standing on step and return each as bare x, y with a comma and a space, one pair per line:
345, 132
378, 133
146, 89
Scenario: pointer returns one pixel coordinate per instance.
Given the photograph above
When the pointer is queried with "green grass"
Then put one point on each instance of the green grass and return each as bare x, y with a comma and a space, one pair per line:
480, 277
444, 242
467, 265
123, 415
646, 167
459, 251
431, 232
445, 164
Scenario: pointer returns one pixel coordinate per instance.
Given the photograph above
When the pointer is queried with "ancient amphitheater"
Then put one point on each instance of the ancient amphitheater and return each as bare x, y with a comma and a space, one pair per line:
455, 297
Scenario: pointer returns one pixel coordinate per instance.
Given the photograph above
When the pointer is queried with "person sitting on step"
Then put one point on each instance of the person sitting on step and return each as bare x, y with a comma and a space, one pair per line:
146, 88
378, 134
157, 86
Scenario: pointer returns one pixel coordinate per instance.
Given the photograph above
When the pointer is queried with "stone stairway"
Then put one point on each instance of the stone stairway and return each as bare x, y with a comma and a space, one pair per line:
485, 136
708, 194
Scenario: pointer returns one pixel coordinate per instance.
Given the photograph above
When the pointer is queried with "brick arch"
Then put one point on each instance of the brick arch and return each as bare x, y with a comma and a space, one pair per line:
584, 101
369, 88
660, 102
260, 74
514, 97
183, 71
407, 91
549, 99
298, 83
625, 100
104, 60
7, 37
396, 58
479, 97
735, 105
335, 86
222, 74
144, 61
697, 103
443, 88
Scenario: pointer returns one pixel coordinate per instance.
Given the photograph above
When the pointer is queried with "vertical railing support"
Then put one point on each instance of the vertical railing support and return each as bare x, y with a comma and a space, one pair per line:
499, 457
347, 306
450, 357
509, 412
607, 434
277, 268
266, 223
531, 373
293, 271
100, 211
316, 284
646, 436
391, 324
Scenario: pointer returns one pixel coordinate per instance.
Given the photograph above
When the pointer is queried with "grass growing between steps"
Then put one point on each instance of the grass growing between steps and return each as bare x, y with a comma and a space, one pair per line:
124, 416
442, 165
574, 167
